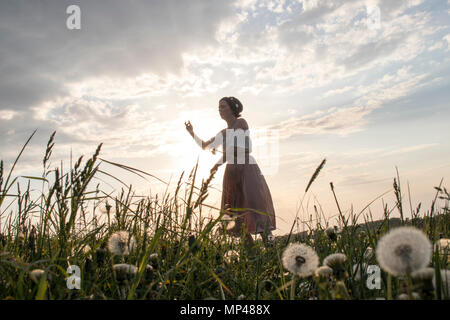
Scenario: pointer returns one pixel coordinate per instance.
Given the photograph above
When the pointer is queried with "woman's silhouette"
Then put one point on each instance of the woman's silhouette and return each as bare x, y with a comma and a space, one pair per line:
244, 185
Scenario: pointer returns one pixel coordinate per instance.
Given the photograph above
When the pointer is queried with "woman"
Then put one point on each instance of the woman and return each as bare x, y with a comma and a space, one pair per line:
244, 185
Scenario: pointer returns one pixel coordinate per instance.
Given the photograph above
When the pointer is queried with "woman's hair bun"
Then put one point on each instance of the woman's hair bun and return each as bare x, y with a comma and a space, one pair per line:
235, 105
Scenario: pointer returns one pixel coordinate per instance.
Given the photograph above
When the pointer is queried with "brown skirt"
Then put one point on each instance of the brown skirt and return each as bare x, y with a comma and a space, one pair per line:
244, 186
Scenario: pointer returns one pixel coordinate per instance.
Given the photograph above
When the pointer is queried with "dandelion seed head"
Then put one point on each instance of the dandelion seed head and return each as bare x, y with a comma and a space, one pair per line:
403, 250
324, 272
153, 257
125, 268
423, 274
335, 260
330, 231
121, 244
300, 259
405, 296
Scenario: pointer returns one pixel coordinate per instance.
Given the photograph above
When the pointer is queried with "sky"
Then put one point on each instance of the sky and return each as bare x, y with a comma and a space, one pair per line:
362, 84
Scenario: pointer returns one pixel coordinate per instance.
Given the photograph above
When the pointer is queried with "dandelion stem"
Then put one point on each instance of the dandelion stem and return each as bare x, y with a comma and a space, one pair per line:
389, 286
409, 281
294, 280
343, 290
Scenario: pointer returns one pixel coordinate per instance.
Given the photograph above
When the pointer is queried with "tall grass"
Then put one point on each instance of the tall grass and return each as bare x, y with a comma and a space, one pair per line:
181, 252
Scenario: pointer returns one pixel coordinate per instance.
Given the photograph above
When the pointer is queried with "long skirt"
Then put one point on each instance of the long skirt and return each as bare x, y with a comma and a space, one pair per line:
244, 186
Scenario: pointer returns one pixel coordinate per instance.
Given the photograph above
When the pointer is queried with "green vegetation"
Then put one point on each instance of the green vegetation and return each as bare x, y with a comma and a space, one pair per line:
176, 252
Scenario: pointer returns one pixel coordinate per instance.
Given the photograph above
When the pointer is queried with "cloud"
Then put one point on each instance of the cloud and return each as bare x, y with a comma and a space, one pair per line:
410, 149
117, 39
341, 121
338, 91
351, 119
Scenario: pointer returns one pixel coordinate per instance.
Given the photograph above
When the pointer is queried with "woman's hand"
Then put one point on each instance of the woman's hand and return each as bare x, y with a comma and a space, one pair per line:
189, 128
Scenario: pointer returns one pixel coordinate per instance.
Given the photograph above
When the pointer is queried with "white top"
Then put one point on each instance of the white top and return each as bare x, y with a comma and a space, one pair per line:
232, 138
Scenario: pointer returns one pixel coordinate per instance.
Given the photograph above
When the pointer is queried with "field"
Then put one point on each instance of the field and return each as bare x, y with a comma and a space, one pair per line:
127, 247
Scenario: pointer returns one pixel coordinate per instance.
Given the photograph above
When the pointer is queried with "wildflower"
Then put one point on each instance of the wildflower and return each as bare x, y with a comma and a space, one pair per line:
324, 272
359, 270
368, 253
300, 259
445, 278
36, 275
403, 250
121, 244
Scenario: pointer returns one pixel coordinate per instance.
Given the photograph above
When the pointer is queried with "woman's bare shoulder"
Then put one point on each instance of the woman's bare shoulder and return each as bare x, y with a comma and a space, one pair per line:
242, 123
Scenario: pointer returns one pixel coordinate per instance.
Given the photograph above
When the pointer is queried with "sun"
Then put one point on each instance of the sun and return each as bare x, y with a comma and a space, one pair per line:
186, 152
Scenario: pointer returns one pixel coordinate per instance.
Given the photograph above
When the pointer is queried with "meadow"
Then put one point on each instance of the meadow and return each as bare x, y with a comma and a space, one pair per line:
123, 246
